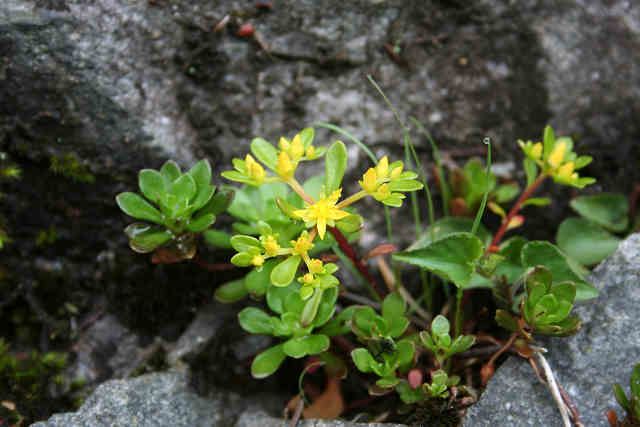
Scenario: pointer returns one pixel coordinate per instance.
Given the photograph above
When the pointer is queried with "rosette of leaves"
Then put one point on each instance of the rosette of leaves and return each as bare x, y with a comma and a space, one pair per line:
383, 356
439, 342
176, 205
295, 323
544, 308
630, 405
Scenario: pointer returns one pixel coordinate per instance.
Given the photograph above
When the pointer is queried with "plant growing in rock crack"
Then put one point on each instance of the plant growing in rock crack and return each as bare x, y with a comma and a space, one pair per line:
185, 204
283, 229
630, 404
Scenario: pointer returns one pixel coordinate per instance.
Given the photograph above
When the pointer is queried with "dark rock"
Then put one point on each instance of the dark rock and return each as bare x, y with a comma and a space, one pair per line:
586, 365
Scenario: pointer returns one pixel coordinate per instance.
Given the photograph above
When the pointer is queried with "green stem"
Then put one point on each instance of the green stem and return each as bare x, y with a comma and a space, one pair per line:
311, 308
351, 199
476, 221
295, 185
459, 316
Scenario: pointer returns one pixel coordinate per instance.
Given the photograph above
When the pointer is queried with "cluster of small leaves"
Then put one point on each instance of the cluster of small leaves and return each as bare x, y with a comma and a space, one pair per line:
383, 356
8, 171
555, 157
630, 405
296, 321
545, 308
185, 204
439, 340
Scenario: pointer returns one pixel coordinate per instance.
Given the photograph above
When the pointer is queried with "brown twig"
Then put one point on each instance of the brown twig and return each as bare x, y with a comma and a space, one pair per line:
572, 407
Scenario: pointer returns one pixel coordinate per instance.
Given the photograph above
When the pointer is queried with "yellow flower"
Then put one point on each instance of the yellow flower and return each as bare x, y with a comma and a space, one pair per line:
302, 245
322, 212
307, 279
382, 169
271, 246
557, 155
315, 266
382, 193
566, 172
297, 149
285, 167
368, 182
284, 144
395, 172
255, 171
536, 150
311, 152
257, 260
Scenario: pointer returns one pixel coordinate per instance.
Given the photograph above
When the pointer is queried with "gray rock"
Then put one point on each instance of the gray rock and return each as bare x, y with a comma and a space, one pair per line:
166, 399
586, 365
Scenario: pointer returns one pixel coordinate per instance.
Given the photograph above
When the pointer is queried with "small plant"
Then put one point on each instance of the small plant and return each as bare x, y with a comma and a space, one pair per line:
70, 166
630, 405
439, 340
185, 202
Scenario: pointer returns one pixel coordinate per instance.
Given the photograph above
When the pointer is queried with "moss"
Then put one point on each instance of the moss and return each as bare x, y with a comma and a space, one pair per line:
70, 166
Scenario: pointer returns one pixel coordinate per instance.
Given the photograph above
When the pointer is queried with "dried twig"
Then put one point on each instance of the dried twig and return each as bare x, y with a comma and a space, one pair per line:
553, 385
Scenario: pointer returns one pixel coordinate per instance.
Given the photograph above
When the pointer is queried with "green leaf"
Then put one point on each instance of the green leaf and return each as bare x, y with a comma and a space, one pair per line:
449, 225
621, 397
362, 321
242, 243
440, 325
585, 241
257, 282
453, 257
339, 325
218, 203
506, 192
135, 206
145, 238
306, 135
609, 210
530, 170
242, 259
232, 291
405, 351
405, 185
152, 184
393, 306
462, 343
267, 362
549, 140
265, 152
316, 344
201, 174
203, 196
394, 202
276, 296
544, 253
217, 239
397, 326
184, 188
506, 320
327, 307
537, 201
255, 321
635, 382
335, 166
387, 382
285, 271
350, 224
201, 223
170, 171
362, 359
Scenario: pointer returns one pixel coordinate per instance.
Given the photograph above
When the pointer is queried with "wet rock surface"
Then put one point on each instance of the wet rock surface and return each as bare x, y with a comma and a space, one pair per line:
587, 365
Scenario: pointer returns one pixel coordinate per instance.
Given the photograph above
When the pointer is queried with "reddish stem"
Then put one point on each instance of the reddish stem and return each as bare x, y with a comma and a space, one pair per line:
353, 256
213, 267
493, 247
633, 203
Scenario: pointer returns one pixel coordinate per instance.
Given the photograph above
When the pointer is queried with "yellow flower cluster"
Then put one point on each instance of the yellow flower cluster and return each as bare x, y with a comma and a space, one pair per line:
381, 181
556, 159
322, 213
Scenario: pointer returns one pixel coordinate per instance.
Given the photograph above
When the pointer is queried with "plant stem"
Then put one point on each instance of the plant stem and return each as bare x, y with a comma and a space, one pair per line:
493, 247
358, 264
458, 329
351, 199
295, 185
